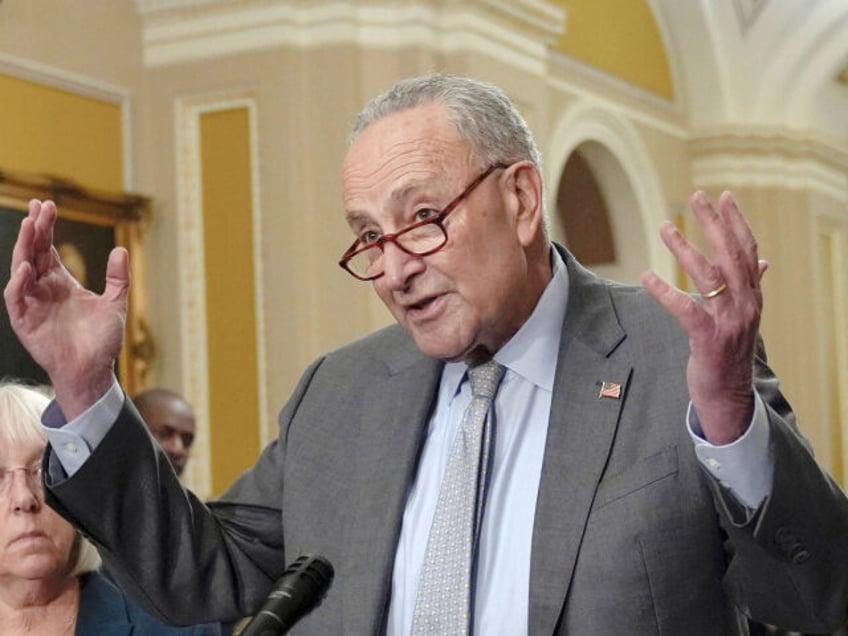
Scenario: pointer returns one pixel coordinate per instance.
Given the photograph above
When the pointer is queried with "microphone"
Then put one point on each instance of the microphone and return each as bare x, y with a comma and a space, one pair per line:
297, 592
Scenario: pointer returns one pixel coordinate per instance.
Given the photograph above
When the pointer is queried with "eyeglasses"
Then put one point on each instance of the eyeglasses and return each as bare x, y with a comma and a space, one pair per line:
364, 259
31, 473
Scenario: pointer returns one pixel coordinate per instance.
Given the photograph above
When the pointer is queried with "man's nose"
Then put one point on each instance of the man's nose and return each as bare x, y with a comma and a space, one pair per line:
174, 445
399, 266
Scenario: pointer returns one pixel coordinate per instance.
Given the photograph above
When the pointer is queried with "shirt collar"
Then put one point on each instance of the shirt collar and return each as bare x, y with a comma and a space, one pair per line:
533, 351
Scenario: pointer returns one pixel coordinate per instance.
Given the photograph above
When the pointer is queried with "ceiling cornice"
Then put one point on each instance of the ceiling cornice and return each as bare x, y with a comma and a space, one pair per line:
769, 157
518, 32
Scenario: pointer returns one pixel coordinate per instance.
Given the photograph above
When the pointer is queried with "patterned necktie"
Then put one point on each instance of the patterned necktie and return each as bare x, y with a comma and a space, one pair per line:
443, 606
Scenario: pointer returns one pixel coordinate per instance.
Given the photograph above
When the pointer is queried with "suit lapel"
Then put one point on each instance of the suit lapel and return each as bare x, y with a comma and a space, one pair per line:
386, 455
580, 436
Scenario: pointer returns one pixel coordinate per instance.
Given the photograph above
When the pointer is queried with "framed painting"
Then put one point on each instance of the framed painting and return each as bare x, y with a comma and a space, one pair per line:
90, 224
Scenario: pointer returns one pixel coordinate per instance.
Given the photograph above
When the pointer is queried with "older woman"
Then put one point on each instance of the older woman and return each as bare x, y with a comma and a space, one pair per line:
49, 583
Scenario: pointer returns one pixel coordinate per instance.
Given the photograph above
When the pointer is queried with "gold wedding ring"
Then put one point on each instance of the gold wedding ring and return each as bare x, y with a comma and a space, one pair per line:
718, 290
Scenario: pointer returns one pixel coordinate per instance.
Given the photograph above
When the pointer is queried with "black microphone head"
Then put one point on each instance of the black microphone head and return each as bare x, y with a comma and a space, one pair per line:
309, 576
297, 592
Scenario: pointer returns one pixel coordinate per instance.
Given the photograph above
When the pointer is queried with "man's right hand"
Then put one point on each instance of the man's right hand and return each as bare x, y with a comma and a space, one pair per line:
74, 334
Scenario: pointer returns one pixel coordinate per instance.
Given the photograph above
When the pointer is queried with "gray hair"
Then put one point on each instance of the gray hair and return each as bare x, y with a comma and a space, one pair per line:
21, 407
484, 116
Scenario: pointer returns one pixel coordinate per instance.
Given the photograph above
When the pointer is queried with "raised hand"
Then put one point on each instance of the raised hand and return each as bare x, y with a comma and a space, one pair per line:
74, 334
722, 324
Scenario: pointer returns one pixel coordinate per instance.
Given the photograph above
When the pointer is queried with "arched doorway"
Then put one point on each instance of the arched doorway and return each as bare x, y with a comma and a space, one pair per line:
597, 215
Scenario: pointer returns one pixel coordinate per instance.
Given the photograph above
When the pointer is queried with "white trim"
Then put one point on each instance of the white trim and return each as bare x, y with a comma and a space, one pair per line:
127, 143
64, 80
671, 48
83, 86
734, 170
614, 95
267, 428
834, 229
803, 66
769, 157
192, 290
514, 32
145, 7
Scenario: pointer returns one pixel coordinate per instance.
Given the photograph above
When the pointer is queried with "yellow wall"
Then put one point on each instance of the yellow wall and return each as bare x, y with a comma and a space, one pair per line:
620, 38
230, 293
44, 130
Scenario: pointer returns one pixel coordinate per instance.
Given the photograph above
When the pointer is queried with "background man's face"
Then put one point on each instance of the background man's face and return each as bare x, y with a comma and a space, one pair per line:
171, 421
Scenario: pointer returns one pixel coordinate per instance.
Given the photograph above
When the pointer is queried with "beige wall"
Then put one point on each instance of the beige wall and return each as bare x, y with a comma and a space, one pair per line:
100, 39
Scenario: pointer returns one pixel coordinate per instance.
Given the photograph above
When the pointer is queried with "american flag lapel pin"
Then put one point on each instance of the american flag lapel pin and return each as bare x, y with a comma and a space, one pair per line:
610, 390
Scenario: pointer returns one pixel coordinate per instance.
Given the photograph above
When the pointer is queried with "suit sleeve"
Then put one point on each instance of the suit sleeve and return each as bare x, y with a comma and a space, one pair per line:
185, 561
789, 558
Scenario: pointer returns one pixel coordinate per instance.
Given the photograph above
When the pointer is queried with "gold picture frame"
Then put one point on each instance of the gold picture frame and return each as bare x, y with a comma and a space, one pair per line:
90, 224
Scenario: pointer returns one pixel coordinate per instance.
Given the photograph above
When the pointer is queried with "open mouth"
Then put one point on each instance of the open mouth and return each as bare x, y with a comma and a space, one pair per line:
422, 303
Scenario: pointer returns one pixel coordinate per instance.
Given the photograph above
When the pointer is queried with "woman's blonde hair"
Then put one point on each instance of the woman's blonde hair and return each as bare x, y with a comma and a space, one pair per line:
21, 407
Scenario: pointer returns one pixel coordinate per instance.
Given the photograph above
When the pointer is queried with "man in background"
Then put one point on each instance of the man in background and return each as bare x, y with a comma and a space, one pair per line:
171, 420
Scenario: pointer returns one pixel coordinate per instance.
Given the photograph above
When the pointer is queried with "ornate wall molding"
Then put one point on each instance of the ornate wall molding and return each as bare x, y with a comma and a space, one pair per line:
615, 95
517, 32
193, 282
770, 159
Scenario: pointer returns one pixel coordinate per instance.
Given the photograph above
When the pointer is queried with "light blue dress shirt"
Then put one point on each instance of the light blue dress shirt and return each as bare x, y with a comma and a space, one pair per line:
522, 409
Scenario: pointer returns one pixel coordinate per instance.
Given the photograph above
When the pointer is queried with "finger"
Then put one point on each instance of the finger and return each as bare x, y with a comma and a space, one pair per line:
688, 313
727, 252
44, 219
33, 208
117, 275
22, 250
762, 266
15, 293
738, 226
703, 273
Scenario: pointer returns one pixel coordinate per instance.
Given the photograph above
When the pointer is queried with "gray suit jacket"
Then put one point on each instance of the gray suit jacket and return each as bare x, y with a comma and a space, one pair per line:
631, 536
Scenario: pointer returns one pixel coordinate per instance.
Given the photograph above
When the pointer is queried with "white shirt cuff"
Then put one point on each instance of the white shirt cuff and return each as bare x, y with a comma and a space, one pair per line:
746, 465
74, 441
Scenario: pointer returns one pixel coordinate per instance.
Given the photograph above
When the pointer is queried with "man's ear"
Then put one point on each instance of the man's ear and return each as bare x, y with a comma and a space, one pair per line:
524, 185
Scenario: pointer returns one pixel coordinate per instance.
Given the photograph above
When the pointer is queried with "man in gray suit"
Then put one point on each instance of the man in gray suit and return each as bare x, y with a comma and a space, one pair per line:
646, 477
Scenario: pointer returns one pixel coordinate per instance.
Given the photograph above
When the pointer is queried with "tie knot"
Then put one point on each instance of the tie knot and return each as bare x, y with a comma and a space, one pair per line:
485, 379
